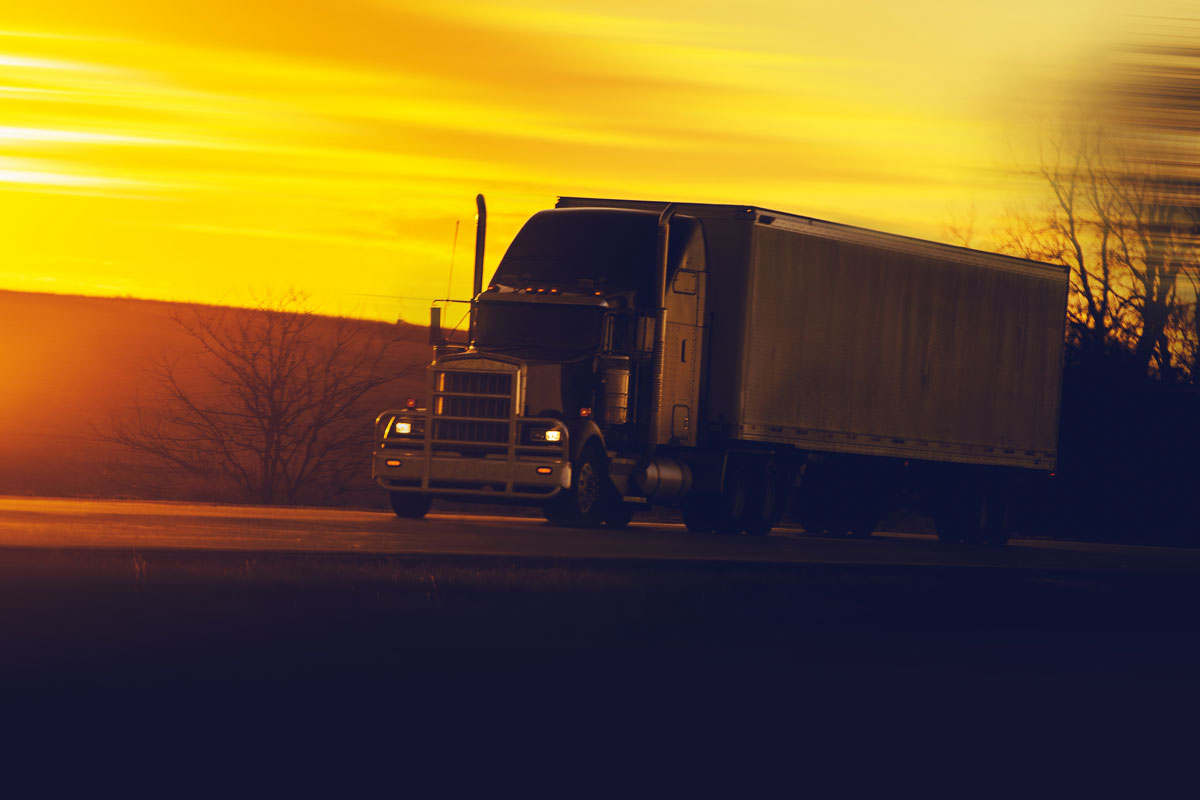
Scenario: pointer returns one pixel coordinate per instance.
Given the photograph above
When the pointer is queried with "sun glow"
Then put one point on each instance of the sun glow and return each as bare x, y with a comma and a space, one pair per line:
190, 150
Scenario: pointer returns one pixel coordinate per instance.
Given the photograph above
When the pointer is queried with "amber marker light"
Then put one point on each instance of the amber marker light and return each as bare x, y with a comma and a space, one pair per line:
410, 402
393, 463
544, 470
585, 412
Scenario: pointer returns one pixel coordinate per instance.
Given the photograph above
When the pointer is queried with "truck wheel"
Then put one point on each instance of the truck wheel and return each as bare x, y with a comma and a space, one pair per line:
411, 505
762, 502
583, 505
731, 505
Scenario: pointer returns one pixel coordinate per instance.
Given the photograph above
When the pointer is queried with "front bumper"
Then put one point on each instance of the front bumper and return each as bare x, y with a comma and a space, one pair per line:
516, 469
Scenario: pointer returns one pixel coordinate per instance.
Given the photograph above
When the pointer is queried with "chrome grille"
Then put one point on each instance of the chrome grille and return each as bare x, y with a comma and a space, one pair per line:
463, 430
466, 402
477, 383
482, 407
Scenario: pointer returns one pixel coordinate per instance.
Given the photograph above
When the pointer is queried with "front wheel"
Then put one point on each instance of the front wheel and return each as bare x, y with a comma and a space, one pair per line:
411, 505
584, 504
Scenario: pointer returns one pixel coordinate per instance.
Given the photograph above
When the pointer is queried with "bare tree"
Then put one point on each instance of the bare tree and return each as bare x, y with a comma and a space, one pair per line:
959, 229
272, 401
1123, 215
1078, 228
1157, 100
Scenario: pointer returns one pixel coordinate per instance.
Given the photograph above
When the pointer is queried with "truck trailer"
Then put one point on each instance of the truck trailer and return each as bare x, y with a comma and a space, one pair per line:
738, 363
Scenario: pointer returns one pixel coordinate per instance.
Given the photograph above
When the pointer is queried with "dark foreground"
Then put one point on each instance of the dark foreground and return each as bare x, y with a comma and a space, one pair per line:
165, 624
260, 626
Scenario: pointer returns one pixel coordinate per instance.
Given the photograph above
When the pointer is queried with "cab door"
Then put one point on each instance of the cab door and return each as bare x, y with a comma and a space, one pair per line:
683, 352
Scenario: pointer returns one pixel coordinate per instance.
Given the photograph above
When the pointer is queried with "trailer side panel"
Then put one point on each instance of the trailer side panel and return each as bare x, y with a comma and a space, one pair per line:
857, 348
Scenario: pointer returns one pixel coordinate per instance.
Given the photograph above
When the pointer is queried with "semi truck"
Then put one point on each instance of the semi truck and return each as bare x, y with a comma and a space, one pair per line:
739, 364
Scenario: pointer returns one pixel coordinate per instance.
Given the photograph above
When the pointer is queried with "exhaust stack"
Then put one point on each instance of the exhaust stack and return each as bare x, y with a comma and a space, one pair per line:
435, 327
660, 326
480, 235
477, 282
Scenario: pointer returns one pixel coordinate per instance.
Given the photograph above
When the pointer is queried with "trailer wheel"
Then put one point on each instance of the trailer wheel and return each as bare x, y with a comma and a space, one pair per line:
731, 504
585, 504
411, 505
763, 504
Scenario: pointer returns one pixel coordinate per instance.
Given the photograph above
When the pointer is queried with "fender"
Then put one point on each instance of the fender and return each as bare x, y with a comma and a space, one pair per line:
581, 432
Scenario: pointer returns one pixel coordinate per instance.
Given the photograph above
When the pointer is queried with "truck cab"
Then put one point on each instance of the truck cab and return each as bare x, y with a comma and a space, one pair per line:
570, 377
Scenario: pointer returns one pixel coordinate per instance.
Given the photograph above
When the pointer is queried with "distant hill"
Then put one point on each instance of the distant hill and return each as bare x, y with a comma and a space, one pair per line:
69, 365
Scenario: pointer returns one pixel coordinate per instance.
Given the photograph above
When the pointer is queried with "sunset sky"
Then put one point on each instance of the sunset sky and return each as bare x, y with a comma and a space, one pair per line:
216, 150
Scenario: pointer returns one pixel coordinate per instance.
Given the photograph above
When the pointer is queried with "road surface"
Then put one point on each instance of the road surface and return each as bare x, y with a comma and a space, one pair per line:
149, 605
53, 523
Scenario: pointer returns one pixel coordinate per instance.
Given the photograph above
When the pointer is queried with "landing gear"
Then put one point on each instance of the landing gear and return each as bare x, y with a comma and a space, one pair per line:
410, 505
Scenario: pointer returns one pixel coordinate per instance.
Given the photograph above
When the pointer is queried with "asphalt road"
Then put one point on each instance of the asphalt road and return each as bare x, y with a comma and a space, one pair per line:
189, 615
54, 523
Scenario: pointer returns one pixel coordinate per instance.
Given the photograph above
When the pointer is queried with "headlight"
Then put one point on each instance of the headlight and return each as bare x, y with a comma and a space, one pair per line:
545, 435
403, 428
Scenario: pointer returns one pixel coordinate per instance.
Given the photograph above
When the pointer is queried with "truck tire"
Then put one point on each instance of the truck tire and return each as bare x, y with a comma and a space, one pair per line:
763, 502
585, 503
410, 505
730, 517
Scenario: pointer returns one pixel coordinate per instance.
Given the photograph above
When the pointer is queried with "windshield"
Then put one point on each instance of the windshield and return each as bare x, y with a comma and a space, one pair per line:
538, 326
617, 246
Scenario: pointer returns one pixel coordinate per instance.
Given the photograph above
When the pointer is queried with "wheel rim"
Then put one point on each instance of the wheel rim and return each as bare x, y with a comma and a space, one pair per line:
588, 488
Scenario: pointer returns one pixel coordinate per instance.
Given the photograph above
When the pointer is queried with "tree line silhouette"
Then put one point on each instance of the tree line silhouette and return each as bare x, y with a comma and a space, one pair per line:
1124, 215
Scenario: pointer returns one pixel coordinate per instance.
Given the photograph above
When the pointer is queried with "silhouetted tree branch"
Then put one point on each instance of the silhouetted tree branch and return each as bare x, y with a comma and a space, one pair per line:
272, 401
1128, 232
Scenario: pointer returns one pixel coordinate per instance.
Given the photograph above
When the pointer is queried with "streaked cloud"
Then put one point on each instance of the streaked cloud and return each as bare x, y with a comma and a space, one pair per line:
194, 148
